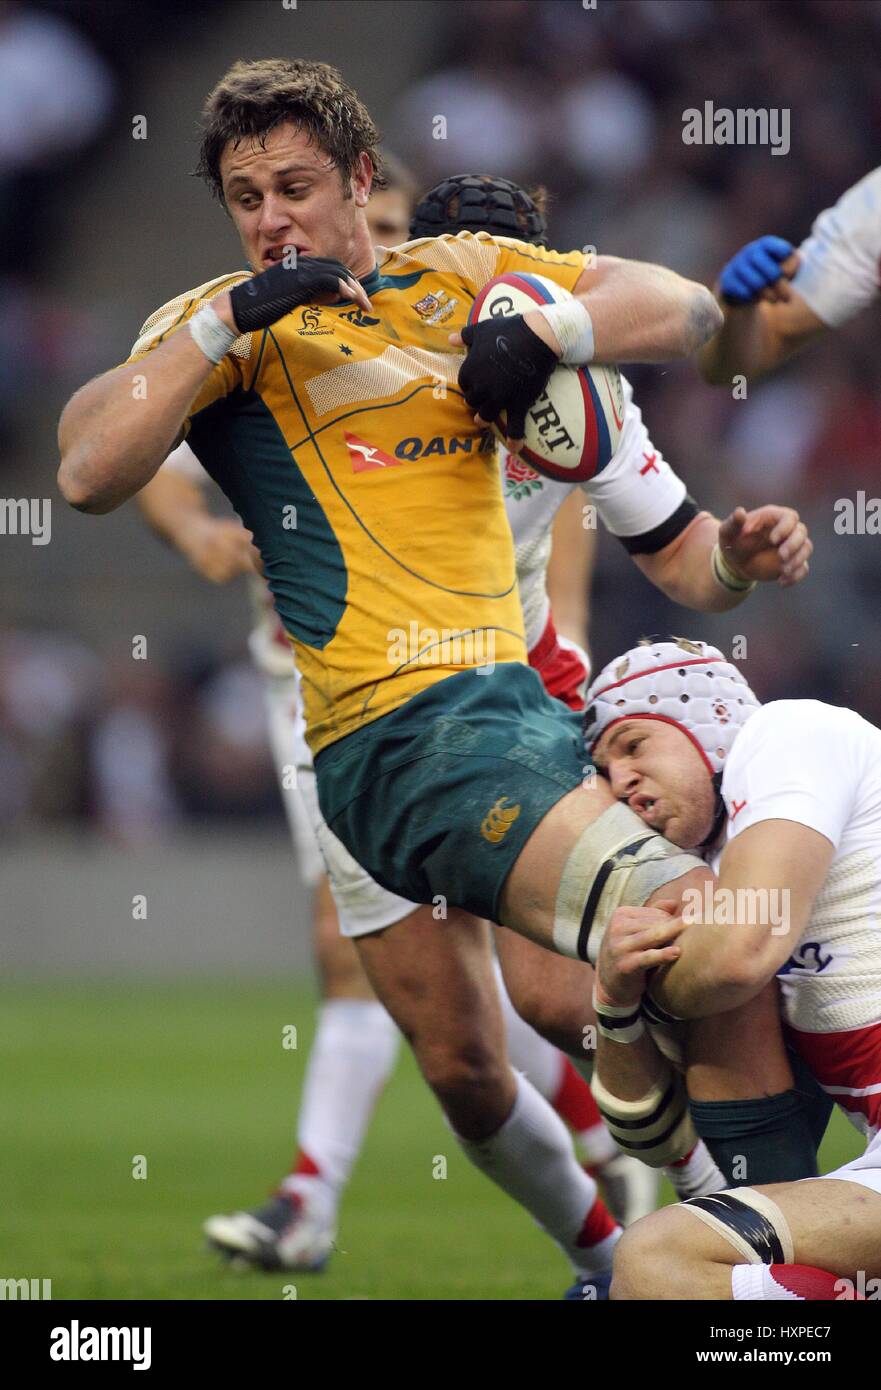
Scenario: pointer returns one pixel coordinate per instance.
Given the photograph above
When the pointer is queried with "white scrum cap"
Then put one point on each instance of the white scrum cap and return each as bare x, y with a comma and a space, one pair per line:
689, 684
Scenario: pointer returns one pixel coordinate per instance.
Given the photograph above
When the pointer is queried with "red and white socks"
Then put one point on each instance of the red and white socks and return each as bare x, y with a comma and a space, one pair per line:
554, 1077
695, 1175
793, 1283
532, 1159
351, 1058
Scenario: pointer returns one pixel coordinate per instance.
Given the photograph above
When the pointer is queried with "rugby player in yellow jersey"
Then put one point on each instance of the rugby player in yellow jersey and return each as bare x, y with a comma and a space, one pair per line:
355, 1044
442, 764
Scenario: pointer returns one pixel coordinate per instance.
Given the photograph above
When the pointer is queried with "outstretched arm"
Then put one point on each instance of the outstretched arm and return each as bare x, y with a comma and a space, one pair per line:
642, 312
767, 543
765, 319
756, 338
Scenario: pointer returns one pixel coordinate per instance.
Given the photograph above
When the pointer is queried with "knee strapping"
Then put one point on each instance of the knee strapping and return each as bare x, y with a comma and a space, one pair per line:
749, 1221
618, 861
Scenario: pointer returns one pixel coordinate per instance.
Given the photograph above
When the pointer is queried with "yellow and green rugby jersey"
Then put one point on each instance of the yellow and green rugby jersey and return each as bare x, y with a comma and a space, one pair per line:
345, 445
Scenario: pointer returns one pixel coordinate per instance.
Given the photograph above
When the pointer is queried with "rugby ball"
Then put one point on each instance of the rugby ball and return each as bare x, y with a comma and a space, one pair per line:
574, 427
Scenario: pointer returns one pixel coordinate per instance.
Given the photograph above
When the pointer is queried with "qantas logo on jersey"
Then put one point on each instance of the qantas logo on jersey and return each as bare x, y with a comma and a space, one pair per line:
366, 457
415, 448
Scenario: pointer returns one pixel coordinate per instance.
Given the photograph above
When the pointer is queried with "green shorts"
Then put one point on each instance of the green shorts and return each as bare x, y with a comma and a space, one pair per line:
439, 797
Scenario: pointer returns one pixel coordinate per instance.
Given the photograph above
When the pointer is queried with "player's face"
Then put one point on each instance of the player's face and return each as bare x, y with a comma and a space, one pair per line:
388, 217
285, 193
657, 770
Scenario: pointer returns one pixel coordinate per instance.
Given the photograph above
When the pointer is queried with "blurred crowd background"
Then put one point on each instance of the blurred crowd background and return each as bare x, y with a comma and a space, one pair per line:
98, 227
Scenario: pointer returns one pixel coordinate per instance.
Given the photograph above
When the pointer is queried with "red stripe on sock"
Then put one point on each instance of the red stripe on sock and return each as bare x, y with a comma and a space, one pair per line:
681, 1162
597, 1225
813, 1285
574, 1101
305, 1167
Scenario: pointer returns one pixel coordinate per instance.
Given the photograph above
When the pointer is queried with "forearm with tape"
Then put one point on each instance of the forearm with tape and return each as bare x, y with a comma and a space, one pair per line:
656, 1128
616, 862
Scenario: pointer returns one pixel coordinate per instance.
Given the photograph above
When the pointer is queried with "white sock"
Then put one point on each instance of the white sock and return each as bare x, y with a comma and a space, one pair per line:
351, 1058
532, 1159
697, 1175
596, 1146
530, 1053
757, 1283
545, 1065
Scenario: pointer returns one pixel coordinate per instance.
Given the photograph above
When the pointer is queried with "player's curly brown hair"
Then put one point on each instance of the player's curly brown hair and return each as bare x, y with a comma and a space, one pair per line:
252, 98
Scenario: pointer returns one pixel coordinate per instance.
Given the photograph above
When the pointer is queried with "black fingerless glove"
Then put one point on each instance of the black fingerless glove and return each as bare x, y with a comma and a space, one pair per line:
267, 297
507, 368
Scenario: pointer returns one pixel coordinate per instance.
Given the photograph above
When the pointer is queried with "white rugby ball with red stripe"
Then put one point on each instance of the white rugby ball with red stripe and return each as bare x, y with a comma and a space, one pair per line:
574, 427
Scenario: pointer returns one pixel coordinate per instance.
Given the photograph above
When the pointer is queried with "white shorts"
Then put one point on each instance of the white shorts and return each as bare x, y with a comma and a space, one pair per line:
866, 1170
362, 905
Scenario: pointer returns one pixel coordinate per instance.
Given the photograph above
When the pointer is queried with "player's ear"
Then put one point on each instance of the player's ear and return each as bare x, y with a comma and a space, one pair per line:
362, 179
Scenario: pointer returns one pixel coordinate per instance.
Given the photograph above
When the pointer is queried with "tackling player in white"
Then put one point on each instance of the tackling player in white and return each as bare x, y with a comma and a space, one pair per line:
789, 795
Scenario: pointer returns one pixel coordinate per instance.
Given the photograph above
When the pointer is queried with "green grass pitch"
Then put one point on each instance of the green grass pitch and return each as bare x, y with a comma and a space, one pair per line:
194, 1077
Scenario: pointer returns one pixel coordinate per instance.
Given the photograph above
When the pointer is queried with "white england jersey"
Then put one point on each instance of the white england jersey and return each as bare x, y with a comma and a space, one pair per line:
636, 493
840, 272
820, 765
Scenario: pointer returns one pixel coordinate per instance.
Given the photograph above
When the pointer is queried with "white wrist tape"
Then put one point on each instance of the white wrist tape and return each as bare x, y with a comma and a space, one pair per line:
211, 335
574, 329
619, 1024
724, 574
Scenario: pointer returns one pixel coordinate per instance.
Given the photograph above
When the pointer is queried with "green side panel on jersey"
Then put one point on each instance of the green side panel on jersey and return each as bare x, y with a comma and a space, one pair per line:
239, 443
374, 282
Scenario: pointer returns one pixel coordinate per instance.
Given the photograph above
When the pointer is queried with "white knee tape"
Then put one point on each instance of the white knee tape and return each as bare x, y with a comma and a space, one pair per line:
657, 1128
617, 861
749, 1221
